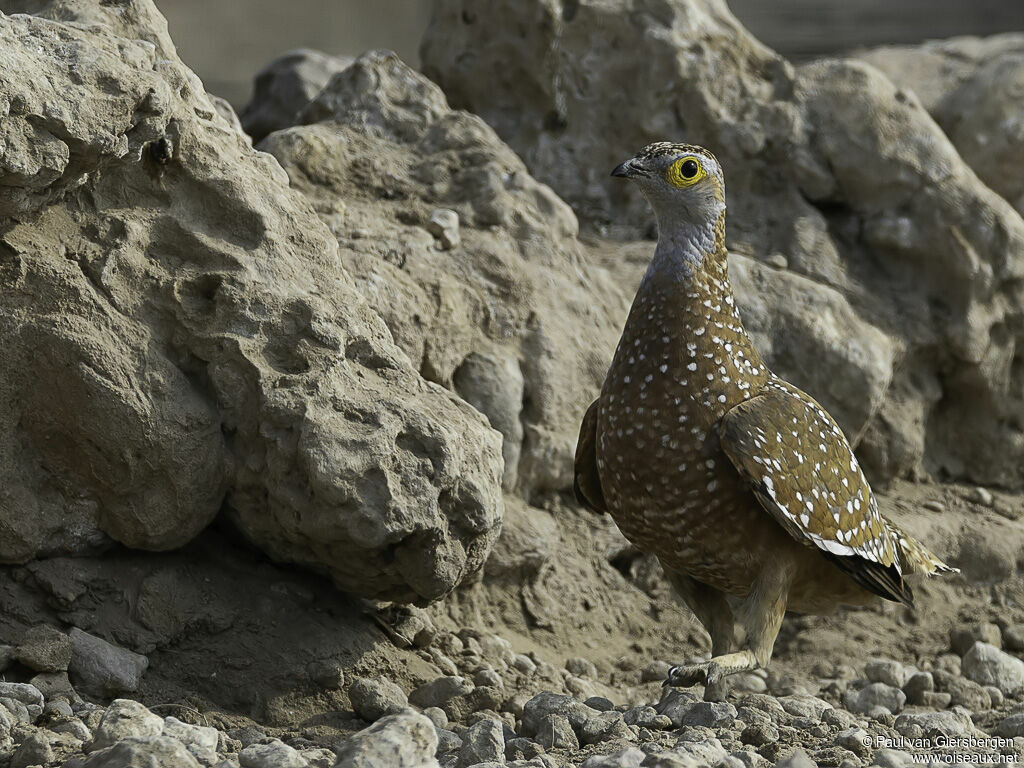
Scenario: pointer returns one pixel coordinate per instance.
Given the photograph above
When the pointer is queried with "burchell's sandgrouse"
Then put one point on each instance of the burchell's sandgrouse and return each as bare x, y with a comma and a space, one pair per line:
741, 484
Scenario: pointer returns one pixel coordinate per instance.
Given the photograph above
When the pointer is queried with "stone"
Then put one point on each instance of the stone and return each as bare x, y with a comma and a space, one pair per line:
600, 703
57, 709
125, 719
759, 734
447, 741
495, 649
103, 669
969, 86
437, 716
934, 724
149, 751
647, 717
482, 742
34, 750
887, 671
892, 758
760, 112
200, 740
943, 699
443, 224
698, 747
581, 667
987, 665
219, 353
630, 757
285, 86
74, 727
610, 725
655, 671
28, 696
318, 757
962, 638
405, 740
743, 682
272, 754
326, 673
1013, 638
995, 695
439, 692
487, 678
520, 262
795, 759
917, 685
710, 714
873, 696
804, 705
44, 649
962, 691
408, 625
854, 739
982, 496
54, 685
555, 732
546, 703
374, 698
522, 749
524, 664
1011, 726
14, 712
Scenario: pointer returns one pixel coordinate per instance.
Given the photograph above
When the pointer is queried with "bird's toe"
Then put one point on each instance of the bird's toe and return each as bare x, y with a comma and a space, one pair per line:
685, 675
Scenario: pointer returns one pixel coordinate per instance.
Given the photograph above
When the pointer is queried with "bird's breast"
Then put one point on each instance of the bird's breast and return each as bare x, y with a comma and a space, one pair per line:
679, 367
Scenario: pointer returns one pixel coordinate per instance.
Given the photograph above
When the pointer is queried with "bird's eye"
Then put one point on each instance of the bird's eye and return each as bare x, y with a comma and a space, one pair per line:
685, 172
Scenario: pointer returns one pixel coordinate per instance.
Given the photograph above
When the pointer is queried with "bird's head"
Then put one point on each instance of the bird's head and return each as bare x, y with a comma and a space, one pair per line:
682, 182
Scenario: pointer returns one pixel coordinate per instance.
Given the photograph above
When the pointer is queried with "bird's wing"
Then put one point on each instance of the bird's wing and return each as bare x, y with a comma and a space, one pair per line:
586, 483
803, 471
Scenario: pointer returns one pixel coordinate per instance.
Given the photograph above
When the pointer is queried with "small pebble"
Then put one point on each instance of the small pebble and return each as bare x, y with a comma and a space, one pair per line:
982, 496
444, 225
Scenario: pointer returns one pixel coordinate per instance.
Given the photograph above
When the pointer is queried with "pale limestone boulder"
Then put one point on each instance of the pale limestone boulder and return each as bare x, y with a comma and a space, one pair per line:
180, 333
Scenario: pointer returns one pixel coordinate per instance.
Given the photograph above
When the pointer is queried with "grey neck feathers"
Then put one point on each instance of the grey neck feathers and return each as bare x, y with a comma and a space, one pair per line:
683, 244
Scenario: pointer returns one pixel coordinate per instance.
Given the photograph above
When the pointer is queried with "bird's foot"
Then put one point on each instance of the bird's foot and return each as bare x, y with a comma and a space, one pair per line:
685, 675
709, 674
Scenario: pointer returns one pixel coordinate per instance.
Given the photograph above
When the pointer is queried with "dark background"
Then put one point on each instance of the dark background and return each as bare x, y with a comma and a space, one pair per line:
227, 41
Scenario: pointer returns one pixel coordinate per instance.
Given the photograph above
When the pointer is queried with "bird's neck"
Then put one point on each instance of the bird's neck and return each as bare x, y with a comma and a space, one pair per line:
686, 249
687, 286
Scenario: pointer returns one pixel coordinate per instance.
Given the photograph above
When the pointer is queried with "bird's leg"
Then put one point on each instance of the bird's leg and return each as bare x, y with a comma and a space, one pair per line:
712, 610
760, 614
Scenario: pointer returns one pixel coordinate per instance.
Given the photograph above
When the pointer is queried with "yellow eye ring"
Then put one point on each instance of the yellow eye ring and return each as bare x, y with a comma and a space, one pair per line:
685, 172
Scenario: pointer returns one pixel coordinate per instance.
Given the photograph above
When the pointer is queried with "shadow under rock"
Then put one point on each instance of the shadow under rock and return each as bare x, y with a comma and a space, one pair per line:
226, 630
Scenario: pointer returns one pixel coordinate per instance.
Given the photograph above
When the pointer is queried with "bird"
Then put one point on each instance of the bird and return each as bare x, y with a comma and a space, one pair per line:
741, 484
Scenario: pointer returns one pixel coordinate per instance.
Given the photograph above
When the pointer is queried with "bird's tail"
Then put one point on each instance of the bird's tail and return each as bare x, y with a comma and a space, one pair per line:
915, 557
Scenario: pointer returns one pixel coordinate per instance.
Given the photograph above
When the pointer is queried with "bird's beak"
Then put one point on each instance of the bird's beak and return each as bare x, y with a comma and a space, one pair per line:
626, 170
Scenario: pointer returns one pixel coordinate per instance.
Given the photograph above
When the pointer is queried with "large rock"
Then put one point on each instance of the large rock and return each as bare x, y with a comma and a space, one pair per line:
829, 166
974, 88
285, 86
176, 324
512, 318
103, 669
